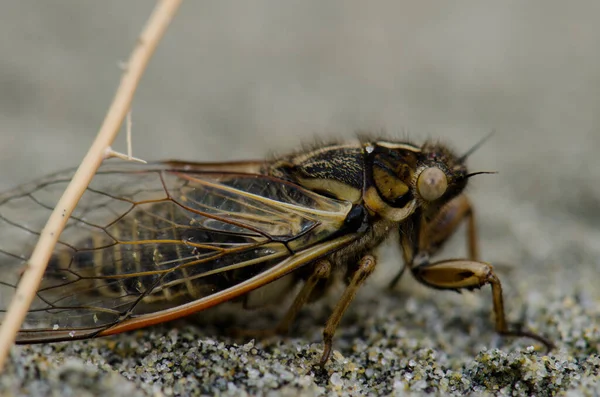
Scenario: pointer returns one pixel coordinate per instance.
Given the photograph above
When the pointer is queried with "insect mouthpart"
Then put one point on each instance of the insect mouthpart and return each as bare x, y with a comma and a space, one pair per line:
432, 183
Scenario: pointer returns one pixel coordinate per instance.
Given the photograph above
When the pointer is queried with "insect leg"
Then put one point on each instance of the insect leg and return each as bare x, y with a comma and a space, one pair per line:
321, 271
445, 223
365, 268
457, 274
441, 227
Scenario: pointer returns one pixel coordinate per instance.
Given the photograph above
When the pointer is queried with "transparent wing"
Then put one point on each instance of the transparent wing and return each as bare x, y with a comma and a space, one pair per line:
154, 236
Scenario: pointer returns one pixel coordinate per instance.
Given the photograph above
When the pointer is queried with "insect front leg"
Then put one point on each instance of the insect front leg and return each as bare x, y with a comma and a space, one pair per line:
434, 233
438, 230
457, 274
423, 237
366, 266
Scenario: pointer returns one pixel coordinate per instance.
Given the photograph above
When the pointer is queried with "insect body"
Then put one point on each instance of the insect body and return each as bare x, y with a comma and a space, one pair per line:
189, 236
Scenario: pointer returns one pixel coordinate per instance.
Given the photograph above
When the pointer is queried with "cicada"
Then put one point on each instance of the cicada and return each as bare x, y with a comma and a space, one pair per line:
152, 243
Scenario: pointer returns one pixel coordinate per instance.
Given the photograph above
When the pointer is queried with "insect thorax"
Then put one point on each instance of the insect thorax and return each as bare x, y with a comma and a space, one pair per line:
381, 174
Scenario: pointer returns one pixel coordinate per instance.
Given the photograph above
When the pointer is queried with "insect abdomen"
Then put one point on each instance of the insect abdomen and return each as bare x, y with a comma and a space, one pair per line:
153, 256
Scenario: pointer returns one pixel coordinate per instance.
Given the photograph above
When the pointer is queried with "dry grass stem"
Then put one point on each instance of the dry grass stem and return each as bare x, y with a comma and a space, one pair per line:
147, 42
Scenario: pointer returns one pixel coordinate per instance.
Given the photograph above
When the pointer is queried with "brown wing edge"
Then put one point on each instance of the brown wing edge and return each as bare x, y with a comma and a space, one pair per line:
283, 268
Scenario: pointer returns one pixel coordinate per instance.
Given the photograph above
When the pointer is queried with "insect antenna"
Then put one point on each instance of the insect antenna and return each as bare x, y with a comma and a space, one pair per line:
480, 173
476, 146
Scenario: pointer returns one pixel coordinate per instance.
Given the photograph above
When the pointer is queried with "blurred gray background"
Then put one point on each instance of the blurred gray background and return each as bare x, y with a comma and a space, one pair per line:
235, 80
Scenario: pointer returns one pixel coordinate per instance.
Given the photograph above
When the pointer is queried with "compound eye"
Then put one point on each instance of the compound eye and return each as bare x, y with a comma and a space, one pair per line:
432, 183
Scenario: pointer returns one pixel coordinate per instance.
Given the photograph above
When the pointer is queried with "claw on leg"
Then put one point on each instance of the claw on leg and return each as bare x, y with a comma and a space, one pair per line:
457, 274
